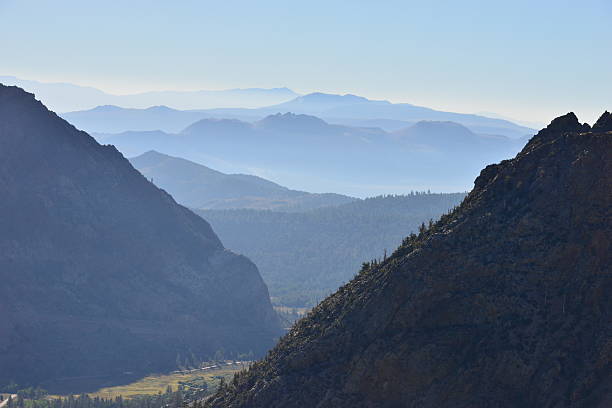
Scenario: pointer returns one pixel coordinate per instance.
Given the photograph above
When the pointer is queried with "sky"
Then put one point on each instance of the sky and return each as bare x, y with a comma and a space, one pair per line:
528, 60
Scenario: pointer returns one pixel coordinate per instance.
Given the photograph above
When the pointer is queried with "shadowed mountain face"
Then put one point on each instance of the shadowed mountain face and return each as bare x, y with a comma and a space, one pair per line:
503, 303
101, 271
197, 186
308, 153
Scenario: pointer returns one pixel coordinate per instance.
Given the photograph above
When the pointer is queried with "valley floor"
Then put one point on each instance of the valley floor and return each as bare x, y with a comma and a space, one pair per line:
132, 385
5, 399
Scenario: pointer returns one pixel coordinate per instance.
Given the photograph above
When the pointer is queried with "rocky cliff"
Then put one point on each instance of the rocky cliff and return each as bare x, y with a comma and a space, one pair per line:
505, 302
101, 272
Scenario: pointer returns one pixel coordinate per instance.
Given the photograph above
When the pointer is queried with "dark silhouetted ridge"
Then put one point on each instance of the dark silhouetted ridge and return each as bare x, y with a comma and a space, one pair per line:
502, 303
563, 124
102, 272
604, 123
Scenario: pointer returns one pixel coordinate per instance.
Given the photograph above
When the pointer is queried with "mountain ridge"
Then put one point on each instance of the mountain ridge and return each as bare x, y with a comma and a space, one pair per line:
200, 187
67, 97
303, 152
92, 254
339, 109
332, 108
500, 303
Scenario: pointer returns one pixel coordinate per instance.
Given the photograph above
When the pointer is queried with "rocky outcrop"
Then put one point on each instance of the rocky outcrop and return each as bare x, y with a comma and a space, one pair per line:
101, 272
604, 124
502, 303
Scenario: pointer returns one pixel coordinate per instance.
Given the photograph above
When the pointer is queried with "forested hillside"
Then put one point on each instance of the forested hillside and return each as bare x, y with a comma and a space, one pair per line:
305, 256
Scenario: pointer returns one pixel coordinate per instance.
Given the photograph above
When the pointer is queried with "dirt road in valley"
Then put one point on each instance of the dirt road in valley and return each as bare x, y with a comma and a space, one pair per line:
6, 399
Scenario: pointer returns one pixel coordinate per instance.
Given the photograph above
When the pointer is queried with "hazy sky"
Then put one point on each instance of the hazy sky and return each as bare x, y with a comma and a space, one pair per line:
530, 60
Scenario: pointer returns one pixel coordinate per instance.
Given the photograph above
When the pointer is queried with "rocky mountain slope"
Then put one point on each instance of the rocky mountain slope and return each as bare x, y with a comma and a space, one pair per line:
102, 272
197, 186
502, 303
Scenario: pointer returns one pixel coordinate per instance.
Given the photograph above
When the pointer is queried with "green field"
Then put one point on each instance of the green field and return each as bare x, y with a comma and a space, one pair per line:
158, 383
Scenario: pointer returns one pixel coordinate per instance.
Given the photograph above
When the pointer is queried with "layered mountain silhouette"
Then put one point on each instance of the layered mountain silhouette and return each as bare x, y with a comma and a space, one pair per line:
198, 186
502, 303
102, 272
352, 108
113, 119
66, 97
333, 234
451, 136
308, 153
337, 109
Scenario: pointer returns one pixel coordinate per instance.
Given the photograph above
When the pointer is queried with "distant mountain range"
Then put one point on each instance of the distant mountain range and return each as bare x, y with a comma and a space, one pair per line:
245, 104
317, 142
113, 119
343, 108
448, 136
65, 97
527, 123
197, 186
336, 109
307, 153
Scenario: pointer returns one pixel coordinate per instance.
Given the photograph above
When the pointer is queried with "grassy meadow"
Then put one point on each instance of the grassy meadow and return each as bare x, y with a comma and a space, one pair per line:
159, 383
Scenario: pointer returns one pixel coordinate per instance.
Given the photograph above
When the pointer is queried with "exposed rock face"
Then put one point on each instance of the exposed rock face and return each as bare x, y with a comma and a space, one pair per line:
503, 303
102, 272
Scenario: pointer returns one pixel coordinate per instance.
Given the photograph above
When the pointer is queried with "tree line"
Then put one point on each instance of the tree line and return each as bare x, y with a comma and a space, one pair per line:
305, 256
